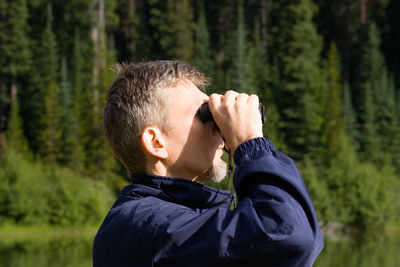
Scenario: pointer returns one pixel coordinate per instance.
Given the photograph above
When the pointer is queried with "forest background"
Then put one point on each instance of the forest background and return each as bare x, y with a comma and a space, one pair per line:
327, 71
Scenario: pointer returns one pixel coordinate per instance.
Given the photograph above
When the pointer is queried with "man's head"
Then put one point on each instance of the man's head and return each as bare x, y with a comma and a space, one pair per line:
149, 119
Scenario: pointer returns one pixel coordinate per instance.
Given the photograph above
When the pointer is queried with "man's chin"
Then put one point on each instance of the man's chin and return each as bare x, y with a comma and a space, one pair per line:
218, 172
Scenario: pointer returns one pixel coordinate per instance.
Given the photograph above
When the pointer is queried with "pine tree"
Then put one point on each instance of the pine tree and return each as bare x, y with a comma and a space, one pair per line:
258, 79
178, 36
97, 153
69, 154
299, 84
393, 139
202, 53
369, 142
50, 134
334, 125
14, 63
157, 29
256, 64
14, 49
374, 84
15, 134
127, 32
239, 78
350, 117
82, 104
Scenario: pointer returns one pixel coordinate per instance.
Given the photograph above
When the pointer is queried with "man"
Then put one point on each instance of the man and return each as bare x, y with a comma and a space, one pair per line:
167, 217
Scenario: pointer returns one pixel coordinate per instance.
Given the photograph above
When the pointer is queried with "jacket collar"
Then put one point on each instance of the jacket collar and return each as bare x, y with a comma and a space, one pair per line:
179, 191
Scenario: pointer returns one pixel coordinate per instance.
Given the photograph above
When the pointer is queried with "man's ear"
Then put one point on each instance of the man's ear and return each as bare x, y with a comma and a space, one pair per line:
153, 142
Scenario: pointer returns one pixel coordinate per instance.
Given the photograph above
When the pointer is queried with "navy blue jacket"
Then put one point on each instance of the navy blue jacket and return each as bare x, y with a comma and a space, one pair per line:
164, 221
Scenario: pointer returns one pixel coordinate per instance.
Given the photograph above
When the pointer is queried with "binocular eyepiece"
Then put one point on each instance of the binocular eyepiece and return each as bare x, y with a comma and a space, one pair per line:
205, 113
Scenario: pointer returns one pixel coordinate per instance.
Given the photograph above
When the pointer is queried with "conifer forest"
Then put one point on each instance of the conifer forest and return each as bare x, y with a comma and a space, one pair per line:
328, 73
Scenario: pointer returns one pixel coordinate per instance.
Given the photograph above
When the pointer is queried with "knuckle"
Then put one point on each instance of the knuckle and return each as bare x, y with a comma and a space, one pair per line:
213, 96
254, 97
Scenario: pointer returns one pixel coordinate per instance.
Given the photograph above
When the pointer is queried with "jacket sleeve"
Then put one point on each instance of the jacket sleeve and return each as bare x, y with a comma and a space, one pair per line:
274, 223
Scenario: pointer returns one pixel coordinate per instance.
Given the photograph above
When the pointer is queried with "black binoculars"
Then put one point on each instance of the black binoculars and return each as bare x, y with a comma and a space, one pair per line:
205, 113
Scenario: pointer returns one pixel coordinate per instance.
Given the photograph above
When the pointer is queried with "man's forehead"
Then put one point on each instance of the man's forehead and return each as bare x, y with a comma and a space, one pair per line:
188, 90
185, 98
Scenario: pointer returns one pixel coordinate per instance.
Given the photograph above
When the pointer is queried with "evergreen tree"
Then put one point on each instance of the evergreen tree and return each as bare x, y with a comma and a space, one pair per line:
14, 63
14, 49
256, 64
127, 32
50, 134
299, 84
393, 139
350, 116
202, 53
333, 126
374, 117
97, 152
369, 141
69, 154
258, 76
158, 29
239, 78
82, 105
15, 134
179, 40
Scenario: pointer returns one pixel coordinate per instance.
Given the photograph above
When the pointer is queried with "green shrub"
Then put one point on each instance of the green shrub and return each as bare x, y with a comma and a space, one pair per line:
33, 194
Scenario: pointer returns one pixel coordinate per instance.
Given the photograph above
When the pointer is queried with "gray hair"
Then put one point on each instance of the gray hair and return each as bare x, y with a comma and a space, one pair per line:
136, 99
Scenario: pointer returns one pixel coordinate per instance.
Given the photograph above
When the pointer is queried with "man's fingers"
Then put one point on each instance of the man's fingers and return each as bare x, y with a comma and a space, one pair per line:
230, 97
242, 99
254, 99
214, 101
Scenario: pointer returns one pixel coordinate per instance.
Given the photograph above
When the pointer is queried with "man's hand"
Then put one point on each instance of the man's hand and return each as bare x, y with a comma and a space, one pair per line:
237, 117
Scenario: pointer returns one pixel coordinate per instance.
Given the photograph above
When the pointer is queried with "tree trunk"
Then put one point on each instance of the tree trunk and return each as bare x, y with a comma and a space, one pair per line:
363, 14
3, 118
14, 90
99, 47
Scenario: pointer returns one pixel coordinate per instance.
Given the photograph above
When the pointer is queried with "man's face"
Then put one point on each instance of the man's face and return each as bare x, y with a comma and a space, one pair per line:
194, 148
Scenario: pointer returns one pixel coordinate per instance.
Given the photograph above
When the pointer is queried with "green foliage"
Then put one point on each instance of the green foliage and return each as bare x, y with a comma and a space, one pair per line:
393, 139
181, 18
299, 85
202, 54
359, 193
33, 194
317, 187
50, 134
177, 39
14, 48
128, 29
333, 126
377, 117
239, 75
350, 116
334, 110
69, 155
15, 135
256, 66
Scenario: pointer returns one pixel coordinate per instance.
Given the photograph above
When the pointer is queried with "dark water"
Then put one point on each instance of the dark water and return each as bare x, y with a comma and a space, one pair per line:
370, 250
380, 250
47, 250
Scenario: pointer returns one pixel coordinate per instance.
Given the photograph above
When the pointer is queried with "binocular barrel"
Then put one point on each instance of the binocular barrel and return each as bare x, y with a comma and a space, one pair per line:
205, 113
